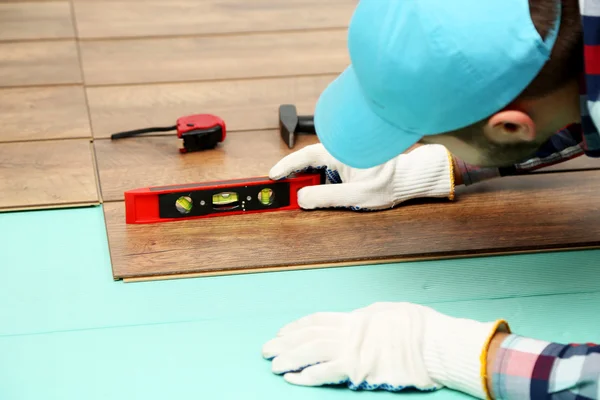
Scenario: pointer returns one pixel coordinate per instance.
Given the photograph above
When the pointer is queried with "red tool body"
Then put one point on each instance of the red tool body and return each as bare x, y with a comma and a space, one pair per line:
200, 132
219, 198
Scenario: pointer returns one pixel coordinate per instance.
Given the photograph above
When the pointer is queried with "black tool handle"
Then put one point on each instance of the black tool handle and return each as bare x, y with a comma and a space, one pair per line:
136, 132
306, 124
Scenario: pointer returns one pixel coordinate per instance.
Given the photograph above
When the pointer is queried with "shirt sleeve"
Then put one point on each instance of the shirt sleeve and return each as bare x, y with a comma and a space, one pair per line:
590, 99
527, 368
565, 145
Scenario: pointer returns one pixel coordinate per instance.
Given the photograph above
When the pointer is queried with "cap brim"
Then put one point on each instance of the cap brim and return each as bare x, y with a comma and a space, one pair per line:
351, 132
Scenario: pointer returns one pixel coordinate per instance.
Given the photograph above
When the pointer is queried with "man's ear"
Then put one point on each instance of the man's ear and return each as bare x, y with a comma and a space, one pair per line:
510, 126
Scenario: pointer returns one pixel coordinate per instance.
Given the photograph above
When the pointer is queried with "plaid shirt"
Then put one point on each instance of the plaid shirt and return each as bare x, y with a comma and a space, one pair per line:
533, 369
574, 140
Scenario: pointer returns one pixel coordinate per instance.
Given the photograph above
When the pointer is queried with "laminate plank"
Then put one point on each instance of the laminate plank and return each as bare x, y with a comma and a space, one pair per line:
210, 58
46, 174
39, 63
130, 18
32, 20
153, 161
43, 113
244, 105
528, 213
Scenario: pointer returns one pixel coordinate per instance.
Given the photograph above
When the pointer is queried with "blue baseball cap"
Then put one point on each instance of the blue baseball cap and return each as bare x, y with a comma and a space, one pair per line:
425, 67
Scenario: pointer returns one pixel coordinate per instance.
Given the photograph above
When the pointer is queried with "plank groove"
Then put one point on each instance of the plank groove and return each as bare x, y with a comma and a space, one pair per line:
32, 20
131, 18
43, 113
211, 58
244, 105
492, 217
39, 63
46, 174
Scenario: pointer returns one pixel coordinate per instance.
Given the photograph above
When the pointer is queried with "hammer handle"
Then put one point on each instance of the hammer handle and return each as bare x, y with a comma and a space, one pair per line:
306, 124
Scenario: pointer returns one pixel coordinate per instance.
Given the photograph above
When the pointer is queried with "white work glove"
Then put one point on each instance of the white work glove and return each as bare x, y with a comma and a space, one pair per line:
390, 346
425, 172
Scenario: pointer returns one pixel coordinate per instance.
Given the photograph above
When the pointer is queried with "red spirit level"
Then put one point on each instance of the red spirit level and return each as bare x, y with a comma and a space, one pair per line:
199, 132
211, 199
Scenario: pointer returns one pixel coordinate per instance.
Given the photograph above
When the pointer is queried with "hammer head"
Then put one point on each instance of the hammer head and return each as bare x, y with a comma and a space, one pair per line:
288, 122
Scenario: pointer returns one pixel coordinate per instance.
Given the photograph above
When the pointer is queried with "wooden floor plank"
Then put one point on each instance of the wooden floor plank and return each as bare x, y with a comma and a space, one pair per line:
46, 174
33, 20
39, 63
43, 113
505, 215
246, 104
130, 18
209, 58
153, 161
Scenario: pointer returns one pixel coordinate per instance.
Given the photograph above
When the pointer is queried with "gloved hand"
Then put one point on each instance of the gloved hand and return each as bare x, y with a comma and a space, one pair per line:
427, 171
390, 346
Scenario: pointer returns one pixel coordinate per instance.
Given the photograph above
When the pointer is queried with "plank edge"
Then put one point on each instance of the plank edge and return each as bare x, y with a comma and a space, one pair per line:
342, 264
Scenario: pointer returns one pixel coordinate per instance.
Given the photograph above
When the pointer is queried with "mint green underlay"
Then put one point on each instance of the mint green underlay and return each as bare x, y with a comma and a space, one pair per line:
68, 331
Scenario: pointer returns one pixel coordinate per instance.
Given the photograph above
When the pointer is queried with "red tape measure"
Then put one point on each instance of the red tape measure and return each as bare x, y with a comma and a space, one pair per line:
199, 132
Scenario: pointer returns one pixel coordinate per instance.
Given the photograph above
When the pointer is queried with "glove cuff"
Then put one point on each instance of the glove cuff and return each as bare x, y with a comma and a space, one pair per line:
427, 171
455, 352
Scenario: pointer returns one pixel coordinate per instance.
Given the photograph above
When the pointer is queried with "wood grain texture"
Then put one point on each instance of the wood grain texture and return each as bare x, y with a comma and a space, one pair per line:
39, 63
150, 161
31, 20
209, 58
43, 113
130, 18
509, 214
46, 174
244, 105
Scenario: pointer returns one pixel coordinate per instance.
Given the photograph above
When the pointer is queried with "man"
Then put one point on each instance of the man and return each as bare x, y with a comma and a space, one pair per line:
493, 83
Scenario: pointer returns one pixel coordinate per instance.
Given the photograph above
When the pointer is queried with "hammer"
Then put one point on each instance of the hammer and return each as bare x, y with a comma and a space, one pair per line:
291, 124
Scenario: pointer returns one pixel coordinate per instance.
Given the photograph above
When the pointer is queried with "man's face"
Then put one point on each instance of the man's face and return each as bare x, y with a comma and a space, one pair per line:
485, 144
478, 150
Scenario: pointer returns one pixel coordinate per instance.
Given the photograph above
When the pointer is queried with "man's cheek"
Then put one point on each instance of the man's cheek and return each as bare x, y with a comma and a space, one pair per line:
459, 149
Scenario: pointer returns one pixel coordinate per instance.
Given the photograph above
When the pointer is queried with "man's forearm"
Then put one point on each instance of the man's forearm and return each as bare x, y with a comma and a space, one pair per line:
466, 174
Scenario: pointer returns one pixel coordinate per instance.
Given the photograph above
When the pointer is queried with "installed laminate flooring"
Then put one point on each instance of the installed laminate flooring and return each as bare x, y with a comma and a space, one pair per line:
35, 20
47, 174
135, 18
209, 58
243, 104
39, 113
76, 71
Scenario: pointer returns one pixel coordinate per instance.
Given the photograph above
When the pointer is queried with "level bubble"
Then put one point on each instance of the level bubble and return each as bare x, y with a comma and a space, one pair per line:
266, 196
225, 198
184, 204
